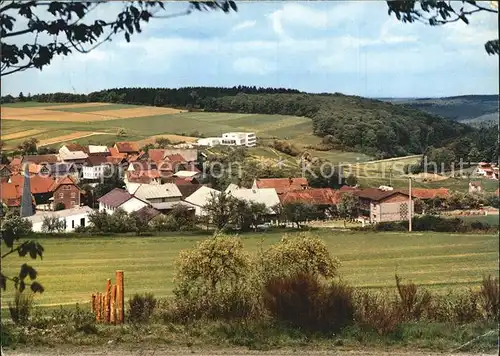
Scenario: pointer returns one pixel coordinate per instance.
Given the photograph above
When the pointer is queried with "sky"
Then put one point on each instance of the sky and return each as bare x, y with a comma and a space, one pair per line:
351, 47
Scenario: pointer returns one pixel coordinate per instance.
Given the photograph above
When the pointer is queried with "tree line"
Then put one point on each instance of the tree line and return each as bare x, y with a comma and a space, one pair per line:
351, 123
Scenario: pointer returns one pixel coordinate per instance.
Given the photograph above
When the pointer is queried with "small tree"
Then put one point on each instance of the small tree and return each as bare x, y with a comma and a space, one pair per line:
162, 142
349, 206
121, 133
351, 180
183, 218
13, 228
218, 209
53, 224
304, 253
298, 212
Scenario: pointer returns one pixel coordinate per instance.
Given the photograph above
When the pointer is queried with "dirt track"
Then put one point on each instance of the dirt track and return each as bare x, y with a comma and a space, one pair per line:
108, 350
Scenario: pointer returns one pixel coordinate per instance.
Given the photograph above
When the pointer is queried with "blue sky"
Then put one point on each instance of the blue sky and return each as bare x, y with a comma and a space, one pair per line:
351, 47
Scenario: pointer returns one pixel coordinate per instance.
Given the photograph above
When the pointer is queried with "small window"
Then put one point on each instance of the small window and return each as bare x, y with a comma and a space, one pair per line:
73, 194
61, 195
66, 187
72, 223
73, 203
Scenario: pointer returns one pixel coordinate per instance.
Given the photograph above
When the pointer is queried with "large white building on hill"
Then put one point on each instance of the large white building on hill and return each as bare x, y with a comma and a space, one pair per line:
248, 139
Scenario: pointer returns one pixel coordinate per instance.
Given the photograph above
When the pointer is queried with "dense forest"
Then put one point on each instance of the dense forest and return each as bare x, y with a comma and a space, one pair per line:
378, 128
466, 108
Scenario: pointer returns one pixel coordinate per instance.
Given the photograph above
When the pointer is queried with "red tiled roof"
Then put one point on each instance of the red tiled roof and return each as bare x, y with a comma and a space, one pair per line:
38, 184
48, 158
92, 161
314, 196
423, 193
188, 189
127, 147
147, 213
175, 158
156, 154
75, 147
144, 177
114, 160
114, 153
10, 194
63, 181
140, 166
376, 194
282, 185
115, 198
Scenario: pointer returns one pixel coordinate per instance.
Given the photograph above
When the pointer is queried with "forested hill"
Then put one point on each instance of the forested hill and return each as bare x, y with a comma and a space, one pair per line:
375, 127
467, 108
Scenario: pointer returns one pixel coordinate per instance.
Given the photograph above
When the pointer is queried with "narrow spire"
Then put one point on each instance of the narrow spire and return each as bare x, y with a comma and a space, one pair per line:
26, 199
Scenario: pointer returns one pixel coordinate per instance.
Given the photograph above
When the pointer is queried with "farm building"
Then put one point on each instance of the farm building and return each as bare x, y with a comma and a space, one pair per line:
120, 199
66, 192
200, 198
266, 196
94, 150
41, 187
281, 185
94, 167
10, 194
73, 218
127, 148
380, 205
163, 197
321, 198
147, 213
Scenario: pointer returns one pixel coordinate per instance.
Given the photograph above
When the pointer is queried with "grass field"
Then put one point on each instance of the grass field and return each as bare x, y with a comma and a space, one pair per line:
74, 268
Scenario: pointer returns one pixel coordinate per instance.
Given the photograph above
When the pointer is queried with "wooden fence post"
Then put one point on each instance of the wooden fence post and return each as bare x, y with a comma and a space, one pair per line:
92, 303
120, 298
107, 300
112, 305
98, 307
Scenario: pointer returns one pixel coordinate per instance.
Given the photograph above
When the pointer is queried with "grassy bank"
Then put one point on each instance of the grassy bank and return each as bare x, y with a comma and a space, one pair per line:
74, 268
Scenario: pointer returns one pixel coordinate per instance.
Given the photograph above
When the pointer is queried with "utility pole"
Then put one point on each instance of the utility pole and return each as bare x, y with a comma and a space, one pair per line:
410, 206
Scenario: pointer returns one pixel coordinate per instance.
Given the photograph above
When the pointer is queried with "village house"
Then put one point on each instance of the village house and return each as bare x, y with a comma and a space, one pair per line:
323, 199
147, 214
382, 205
188, 189
129, 149
15, 164
95, 168
281, 185
120, 199
73, 218
200, 198
11, 193
162, 197
63, 169
66, 193
44, 160
93, 150
267, 196
426, 194
41, 187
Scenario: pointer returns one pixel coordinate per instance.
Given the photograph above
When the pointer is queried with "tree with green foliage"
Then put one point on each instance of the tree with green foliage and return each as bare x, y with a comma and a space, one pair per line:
53, 224
162, 142
298, 212
438, 13
65, 24
351, 180
21, 97
219, 209
13, 228
349, 206
29, 147
474, 155
59, 206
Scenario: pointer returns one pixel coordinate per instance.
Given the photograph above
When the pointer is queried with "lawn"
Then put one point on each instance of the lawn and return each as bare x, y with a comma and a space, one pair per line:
74, 268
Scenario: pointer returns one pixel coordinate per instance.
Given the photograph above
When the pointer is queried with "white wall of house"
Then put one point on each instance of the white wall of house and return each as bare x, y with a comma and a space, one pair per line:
72, 222
94, 172
131, 205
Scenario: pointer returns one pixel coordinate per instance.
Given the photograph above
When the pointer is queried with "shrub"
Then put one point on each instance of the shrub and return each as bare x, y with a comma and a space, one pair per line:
412, 304
304, 253
466, 307
377, 312
20, 310
213, 280
79, 319
53, 224
304, 302
141, 308
490, 298
59, 206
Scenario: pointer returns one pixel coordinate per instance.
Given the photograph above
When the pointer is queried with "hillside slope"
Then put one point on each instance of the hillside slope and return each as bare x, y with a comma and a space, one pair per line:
377, 128
459, 108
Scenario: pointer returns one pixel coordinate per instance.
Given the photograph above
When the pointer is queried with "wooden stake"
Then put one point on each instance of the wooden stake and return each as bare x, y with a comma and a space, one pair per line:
107, 300
98, 307
120, 298
92, 303
112, 305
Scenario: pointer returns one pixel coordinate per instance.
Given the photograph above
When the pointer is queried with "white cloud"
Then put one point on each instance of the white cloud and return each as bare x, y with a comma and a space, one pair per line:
252, 65
244, 25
